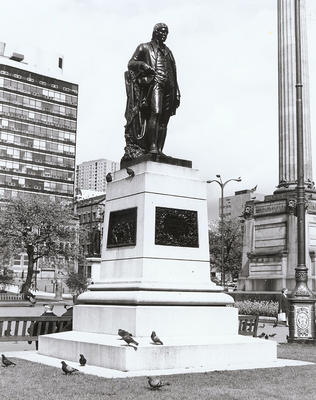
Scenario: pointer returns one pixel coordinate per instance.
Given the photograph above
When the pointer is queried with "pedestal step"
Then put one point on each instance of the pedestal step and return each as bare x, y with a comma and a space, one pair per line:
177, 352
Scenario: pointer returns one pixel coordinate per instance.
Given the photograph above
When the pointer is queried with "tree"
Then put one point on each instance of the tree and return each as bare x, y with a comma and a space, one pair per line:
232, 239
41, 228
6, 278
77, 283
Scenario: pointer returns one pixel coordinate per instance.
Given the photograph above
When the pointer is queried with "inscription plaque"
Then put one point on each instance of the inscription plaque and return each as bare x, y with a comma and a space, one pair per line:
175, 227
122, 228
303, 318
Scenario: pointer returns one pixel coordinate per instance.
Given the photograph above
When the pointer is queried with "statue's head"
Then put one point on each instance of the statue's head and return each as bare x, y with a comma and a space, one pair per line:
160, 32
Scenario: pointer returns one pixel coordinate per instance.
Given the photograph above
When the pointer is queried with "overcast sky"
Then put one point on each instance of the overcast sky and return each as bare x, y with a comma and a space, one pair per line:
226, 55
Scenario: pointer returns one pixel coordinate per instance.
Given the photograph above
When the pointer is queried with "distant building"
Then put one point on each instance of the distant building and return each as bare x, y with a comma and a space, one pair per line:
90, 211
234, 205
91, 174
38, 124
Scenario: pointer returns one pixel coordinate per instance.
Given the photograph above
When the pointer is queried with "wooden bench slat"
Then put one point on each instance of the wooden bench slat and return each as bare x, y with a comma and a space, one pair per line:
46, 325
248, 325
61, 326
42, 324
8, 330
39, 327
24, 328
16, 329
41, 318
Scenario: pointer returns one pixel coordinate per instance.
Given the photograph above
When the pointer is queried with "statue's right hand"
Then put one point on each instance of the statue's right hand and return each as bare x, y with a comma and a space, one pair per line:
148, 69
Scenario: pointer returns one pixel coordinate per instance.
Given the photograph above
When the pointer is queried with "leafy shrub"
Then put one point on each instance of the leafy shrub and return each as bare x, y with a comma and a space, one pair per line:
256, 296
263, 308
77, 283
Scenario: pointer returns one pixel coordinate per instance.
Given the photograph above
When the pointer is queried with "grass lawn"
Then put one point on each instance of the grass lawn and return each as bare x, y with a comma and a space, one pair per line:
35, 381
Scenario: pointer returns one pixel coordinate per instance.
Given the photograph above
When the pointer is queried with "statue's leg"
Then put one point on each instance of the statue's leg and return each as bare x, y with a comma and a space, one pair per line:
163, 122
152, 133
153, 122
162, 133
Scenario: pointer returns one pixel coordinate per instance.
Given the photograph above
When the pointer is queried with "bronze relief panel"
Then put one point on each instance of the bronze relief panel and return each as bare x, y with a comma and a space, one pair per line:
176, 227
122, 228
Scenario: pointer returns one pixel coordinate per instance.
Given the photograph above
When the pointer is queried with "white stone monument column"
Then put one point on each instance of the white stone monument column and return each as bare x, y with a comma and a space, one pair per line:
287, 97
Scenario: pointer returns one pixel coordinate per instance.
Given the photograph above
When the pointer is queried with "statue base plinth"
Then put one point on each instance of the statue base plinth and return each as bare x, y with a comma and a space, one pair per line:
154, 276
161, 158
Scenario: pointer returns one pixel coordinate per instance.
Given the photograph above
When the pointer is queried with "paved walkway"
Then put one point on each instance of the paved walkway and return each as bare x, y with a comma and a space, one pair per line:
281, 332
111, 373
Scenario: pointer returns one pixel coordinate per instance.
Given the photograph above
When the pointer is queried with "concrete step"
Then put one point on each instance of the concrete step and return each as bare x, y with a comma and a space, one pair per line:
108, 351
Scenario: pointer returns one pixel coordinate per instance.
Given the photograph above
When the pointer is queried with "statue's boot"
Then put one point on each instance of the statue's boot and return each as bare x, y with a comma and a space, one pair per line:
161, 139
153, 134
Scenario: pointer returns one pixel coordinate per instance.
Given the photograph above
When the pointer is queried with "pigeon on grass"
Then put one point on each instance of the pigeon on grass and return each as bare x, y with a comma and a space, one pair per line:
155, 338
6, 362
82, 360
67, 369
122, 333
156, 383
129, 340
262, 335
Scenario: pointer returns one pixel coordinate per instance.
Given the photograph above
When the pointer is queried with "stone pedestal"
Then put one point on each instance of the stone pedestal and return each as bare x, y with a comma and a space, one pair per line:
270, 243
95, 264
155, 275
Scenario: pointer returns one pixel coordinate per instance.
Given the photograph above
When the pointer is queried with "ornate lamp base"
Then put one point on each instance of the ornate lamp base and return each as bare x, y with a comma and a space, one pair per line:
302, 320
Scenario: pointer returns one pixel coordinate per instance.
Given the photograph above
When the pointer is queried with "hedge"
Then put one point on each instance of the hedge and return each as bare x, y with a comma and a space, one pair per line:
256, 296
262, 308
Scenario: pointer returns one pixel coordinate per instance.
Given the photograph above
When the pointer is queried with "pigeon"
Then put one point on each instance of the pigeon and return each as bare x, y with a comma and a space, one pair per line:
108, 177
122, 332
130, 172
67, 368
266, 337
6, 362
128, 339
156, 383
272, 335
82, 360
155, 338
262, 335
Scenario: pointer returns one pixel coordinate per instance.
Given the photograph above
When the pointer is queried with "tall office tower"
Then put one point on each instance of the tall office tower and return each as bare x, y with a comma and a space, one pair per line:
38, 122
91, 174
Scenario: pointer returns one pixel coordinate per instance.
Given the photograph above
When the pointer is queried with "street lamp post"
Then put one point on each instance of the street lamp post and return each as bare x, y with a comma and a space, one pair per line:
302, 301
222, 185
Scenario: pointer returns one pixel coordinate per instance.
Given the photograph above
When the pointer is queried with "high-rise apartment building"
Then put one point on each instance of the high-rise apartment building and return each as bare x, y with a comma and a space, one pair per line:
91, 174
38, 122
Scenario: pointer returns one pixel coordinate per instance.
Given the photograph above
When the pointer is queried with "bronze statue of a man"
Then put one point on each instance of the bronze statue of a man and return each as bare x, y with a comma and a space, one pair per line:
152, 95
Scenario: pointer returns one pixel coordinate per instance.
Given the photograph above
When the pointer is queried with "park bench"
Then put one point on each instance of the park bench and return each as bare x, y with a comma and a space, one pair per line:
248, 325
28, 329
12, 296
